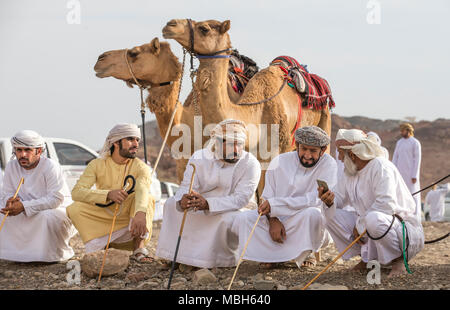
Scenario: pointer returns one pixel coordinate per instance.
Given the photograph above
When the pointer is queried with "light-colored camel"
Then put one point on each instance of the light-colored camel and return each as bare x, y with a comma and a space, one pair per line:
152, 64
211, 36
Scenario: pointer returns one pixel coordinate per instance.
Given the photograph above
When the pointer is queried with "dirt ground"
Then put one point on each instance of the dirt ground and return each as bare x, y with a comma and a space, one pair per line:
431, 270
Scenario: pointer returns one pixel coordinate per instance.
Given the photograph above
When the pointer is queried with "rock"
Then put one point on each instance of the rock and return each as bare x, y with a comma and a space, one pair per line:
185, 268
281, 287
180, 279
116, 261
264, 285
268, 278
38, 274
258, 277
204, 277
240, 283
296, 287
8, 273
327, 287
148, 285
136, 277
53, 276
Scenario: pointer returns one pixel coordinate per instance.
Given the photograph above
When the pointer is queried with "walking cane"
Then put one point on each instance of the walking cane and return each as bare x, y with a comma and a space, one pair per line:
243, 252
334, 260
112, 228
181, 231
14, 197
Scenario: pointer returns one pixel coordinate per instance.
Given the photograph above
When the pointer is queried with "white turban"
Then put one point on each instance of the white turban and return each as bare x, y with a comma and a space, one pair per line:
230, 130
118, 132
362, 145
374, 134
27, 138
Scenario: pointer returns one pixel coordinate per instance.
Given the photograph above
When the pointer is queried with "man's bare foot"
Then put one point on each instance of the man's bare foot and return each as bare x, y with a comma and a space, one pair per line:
398, 268
360, 266
309, 262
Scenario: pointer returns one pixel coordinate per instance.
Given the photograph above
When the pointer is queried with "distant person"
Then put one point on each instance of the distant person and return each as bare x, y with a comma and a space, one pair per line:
37, 228
133, 226
385, 151
435, 200
381, 199
407, 156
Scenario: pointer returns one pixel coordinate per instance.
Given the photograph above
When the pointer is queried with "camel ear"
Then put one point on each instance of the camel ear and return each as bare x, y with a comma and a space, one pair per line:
156, 47
129, 84
225, 26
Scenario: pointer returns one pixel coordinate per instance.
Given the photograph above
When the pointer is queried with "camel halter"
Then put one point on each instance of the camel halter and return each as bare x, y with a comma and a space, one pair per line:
193, 72
141, 88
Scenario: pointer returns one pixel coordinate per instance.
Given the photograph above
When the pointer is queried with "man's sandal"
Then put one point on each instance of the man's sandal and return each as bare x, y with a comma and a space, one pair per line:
141, 256
309, 262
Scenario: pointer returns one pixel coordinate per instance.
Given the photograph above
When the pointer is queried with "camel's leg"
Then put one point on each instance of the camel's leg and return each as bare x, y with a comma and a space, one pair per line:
325, 121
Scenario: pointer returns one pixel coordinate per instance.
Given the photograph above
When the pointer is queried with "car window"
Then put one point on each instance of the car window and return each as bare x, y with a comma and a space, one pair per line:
164, 189
71, 154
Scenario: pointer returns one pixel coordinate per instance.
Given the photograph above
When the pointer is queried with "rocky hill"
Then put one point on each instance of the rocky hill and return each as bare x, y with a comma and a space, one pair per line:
434, 137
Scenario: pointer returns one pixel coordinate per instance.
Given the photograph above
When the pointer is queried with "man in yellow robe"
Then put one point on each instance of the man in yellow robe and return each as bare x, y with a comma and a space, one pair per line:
133, 225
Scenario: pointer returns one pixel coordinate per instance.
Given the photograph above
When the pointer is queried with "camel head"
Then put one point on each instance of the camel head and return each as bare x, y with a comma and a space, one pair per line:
209, 36
151, 63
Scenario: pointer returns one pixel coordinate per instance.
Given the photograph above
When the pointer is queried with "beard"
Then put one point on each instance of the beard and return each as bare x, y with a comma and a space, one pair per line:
306, 165
126, 152
349, 166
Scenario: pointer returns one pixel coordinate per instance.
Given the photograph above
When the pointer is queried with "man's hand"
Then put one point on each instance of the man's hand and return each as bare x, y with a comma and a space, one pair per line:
117, 195
356, 235
327, 197
264, 207
276, 230
184, 202
138, 225
197, 201
413, 180
14, 206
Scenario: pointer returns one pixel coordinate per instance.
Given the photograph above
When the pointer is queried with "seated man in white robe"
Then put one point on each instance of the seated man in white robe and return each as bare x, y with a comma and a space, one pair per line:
225, 180
375, 188
292, 225
36, 228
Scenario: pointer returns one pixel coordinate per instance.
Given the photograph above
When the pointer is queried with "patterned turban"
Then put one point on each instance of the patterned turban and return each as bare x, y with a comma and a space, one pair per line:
364, 146
407, 127
27, 139
312, 135
119, 132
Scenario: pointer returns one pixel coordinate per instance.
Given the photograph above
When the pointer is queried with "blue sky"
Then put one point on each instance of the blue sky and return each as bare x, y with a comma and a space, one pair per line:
391, 70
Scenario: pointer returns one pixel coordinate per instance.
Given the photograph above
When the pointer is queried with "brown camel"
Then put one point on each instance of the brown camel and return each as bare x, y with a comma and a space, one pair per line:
211, 36
154, 63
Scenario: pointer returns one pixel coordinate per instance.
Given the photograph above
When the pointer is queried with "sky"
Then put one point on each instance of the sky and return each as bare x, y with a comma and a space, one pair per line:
383, 59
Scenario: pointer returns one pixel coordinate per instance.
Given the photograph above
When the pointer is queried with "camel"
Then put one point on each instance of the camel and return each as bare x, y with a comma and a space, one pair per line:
211, 36
154, 63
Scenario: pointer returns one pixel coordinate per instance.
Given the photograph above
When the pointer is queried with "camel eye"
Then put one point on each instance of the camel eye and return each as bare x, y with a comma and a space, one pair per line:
204, 29
133, 53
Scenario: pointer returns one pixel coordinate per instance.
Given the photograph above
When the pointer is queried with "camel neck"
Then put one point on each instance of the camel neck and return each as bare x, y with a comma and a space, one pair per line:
162, 101
212, 86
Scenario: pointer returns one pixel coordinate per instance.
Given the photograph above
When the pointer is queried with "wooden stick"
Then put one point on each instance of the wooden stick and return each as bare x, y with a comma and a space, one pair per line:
334, 260
112, 228
181, 231
243, 252
14, 197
